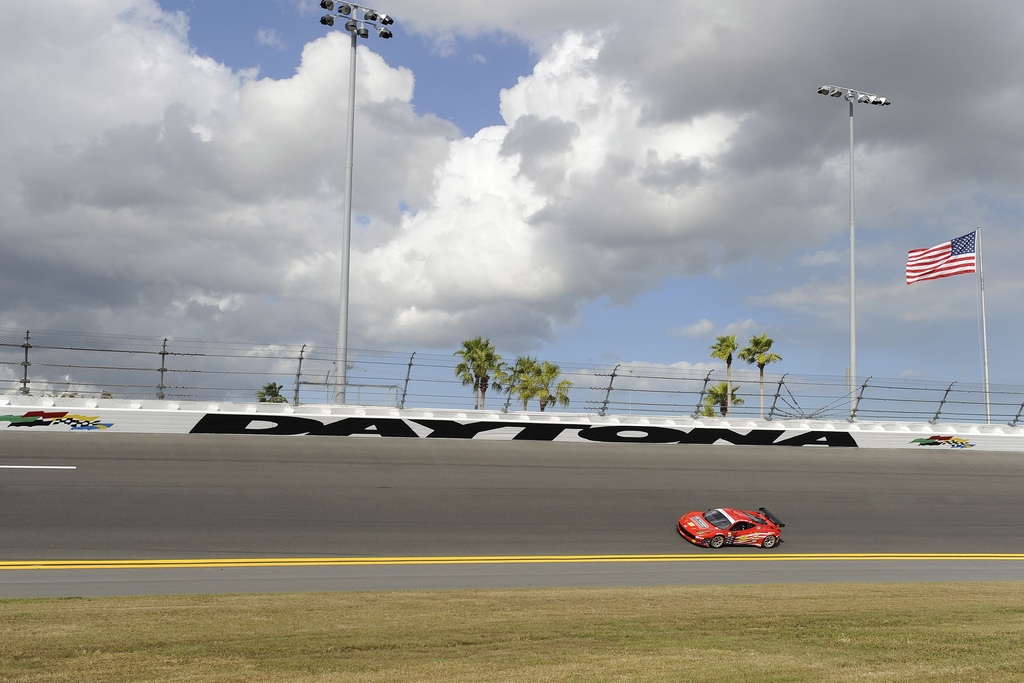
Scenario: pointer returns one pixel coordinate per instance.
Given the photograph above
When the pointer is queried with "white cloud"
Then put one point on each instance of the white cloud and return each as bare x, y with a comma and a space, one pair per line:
445, 45
741, 328
270, 38
178, 186
702, 328
567, 202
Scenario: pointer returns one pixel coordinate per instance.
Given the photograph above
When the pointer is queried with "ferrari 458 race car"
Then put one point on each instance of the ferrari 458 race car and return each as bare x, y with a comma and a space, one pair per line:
726, 526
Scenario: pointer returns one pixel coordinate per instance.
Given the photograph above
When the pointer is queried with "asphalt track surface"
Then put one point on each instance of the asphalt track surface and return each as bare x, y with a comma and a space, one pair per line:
116, 514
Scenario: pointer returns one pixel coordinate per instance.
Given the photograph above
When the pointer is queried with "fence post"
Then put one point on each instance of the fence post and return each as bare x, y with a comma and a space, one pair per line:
405, 389
941, 403
1017, 419
778, 391
607, 394
163, 368
511, 388
298, 376
25, 364
856, 404
703, 390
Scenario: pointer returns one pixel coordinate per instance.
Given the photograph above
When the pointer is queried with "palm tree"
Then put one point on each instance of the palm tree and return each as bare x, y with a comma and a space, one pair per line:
723, 348
270, 393
541, 379
518, 379
480, 363
465, 370
723, 397
758, 353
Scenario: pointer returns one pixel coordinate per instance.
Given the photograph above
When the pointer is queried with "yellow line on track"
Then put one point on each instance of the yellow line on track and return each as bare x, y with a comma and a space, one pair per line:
512, 559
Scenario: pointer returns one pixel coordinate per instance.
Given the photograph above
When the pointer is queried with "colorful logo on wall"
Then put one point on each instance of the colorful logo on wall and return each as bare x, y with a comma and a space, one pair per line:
950, 441
39, 418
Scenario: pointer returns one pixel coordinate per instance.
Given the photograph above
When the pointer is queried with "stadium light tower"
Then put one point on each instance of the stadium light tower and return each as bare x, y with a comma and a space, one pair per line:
357, 19
851, 96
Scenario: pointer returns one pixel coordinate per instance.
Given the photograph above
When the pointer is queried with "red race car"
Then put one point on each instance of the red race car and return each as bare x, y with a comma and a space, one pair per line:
726, 526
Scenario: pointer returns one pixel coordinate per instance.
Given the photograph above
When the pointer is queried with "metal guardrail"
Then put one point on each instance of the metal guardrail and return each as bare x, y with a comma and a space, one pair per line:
80, 364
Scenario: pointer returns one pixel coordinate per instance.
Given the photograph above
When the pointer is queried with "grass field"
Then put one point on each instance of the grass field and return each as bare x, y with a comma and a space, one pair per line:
820, 632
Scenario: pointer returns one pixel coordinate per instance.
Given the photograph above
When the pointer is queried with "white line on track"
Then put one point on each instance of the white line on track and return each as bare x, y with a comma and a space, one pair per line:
37, 467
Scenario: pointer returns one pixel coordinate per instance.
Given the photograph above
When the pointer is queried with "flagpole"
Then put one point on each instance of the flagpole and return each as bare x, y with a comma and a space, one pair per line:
984, 330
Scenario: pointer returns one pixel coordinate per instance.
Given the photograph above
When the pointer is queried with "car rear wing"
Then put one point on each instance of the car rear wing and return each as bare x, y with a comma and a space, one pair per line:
774, 520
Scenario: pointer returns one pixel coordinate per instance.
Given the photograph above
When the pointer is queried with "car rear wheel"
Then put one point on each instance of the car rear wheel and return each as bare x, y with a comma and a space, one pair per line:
718, 541
769, 541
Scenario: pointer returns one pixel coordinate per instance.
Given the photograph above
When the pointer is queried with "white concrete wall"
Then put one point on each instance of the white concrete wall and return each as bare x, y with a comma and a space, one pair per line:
95, 416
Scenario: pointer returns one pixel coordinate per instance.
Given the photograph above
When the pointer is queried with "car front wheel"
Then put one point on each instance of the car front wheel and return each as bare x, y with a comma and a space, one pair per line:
718, 541
769, 541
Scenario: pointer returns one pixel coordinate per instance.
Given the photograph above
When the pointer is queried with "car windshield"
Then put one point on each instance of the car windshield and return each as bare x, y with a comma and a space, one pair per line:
717, 518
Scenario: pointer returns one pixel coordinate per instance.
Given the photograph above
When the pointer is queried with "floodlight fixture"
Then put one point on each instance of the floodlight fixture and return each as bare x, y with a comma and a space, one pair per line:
384, 32
853, 95
356, 23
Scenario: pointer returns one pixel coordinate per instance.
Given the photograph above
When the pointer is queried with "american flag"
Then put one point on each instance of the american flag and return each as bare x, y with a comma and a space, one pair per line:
949, 258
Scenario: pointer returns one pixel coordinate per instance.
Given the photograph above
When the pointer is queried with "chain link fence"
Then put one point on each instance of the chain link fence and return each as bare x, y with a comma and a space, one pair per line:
123, 367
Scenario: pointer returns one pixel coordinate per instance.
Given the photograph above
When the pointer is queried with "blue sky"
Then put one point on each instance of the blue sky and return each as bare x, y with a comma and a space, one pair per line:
573, 181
